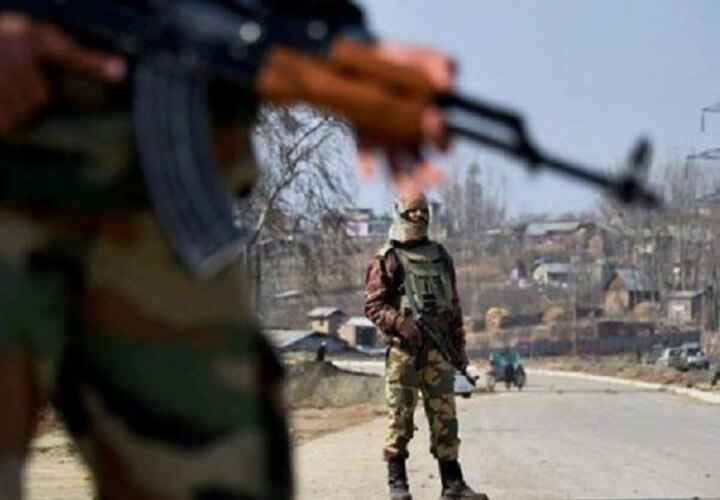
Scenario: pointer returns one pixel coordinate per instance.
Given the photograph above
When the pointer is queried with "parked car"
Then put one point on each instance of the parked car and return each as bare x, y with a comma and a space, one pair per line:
693, 358
651, 356
669, 357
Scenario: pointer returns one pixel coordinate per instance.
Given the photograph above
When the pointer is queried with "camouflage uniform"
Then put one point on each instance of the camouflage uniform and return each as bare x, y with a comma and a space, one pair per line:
404, 376
164, 381
412, 274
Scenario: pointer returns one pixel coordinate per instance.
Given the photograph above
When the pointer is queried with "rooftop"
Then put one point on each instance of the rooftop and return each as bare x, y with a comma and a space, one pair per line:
633, 279
323, 312
543, 228
284, 338
684, 294
555, 267
359, 321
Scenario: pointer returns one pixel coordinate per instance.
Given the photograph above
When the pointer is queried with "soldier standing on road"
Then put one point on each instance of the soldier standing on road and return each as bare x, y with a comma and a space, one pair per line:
163, 380
412, 267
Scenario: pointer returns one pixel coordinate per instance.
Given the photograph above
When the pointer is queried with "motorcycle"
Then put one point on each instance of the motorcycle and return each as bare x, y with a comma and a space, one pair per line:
510, 374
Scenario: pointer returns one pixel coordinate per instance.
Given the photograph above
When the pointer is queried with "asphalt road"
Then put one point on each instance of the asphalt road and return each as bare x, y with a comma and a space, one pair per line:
558, 439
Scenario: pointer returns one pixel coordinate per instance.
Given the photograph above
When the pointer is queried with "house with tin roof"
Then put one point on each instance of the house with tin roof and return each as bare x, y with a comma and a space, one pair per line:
551, 273
304, 341
687, 307
626, 288
359, 331
326, 320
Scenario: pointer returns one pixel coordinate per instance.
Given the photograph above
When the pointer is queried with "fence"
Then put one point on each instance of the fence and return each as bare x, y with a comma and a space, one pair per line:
606, 345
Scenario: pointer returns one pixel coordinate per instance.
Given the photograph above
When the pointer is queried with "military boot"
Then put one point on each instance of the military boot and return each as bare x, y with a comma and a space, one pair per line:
453, 484
397, 480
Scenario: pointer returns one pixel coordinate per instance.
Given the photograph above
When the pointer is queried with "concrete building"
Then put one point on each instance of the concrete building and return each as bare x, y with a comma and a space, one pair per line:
326, 320
685, 307
551, 273
362, 222
360, 331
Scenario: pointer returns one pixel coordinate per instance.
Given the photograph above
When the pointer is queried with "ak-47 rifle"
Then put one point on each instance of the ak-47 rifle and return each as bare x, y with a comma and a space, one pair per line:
324, 57
443, 343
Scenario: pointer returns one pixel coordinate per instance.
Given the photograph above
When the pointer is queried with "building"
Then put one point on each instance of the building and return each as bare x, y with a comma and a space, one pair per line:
360, 331
551, 273
685, 307
550, 229
362, 222
357, 221
304, 341
625, 289
326, 320
567, 233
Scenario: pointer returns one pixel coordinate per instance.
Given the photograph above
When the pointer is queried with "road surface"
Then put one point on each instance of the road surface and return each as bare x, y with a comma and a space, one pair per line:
559, 439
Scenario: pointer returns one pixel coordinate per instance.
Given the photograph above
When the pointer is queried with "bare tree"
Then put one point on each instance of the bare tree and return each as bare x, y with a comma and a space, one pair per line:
673, 247
473, 206
305, 185
305, 177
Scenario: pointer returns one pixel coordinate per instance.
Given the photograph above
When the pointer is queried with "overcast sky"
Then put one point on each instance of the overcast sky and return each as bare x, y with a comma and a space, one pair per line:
590, 77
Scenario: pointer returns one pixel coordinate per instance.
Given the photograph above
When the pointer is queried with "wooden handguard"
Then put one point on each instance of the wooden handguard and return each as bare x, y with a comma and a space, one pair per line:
385, 102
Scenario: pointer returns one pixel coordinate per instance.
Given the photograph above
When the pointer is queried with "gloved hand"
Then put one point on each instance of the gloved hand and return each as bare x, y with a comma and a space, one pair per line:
407, 328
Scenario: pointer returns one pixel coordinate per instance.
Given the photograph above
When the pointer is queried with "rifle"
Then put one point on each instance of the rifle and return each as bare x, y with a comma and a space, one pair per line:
444, 345
286, 55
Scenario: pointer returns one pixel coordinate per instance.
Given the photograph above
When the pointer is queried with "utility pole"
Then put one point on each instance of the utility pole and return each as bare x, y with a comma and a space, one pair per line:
574, 260
253, 272
715, 108
714, 152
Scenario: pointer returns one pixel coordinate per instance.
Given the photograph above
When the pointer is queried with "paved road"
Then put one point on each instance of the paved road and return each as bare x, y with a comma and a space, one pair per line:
560, 438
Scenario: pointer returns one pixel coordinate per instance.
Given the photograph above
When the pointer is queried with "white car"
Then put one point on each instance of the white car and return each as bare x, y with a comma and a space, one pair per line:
694, 358
669, 356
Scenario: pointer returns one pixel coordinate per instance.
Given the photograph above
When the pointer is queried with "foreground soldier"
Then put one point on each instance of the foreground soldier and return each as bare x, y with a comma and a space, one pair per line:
164, 381
413, 268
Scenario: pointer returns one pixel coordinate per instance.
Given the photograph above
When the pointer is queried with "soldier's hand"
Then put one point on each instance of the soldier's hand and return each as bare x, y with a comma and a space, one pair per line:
407, 329
409, 170
27, 46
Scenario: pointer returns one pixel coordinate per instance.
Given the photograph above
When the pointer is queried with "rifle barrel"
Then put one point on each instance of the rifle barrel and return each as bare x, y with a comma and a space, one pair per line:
504, 130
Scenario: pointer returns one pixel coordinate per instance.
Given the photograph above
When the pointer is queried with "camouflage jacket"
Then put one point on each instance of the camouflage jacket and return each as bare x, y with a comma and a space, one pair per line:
384, 287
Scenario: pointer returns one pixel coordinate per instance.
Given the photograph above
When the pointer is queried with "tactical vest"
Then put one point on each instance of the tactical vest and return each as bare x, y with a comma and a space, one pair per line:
427, 279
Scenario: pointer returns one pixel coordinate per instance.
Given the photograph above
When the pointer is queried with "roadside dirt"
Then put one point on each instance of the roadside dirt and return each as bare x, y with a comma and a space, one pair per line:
626, 367
324, 398
321, 397
307, 424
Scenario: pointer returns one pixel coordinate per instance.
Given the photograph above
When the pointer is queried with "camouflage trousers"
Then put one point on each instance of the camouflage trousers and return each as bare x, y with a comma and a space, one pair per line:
164, 381
435, 381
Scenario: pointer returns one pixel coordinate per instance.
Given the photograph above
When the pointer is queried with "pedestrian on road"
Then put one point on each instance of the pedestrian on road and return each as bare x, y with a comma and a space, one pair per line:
321, 352
412, 269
